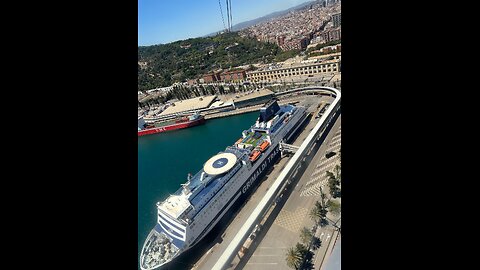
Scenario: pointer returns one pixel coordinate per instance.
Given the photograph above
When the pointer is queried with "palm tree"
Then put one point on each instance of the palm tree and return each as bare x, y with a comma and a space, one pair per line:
232, 89
306, 236
319, 212
294, 258
336, 176
306, 255
316, 243
315, 215
334, 180
333, 207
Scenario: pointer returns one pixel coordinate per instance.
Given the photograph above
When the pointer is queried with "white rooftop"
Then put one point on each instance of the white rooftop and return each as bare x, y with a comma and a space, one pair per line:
175, 205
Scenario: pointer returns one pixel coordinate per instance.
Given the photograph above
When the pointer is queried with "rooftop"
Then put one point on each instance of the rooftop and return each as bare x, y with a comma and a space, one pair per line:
175, 205
255, 94
190, 104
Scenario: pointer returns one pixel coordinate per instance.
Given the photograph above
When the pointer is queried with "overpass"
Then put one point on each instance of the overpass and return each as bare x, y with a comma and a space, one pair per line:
278, 185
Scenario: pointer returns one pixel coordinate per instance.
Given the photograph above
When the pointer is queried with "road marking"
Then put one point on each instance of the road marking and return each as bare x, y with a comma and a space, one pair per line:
271, 247
265, 255
261, 263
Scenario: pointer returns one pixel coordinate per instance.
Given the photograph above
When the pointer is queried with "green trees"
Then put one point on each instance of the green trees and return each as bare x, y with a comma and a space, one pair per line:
319, 214
305, 236
319, 46
293, 258
232, 89
333, 207
316, 243
211, 90
334, 181
299, 257
202, 90
284, 55
176, 62
221, 90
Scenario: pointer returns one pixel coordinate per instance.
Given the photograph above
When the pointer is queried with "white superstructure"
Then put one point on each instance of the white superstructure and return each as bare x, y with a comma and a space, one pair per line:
186, 216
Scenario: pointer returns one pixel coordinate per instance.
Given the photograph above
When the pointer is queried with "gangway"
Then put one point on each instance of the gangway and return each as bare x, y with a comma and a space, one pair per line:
288, 148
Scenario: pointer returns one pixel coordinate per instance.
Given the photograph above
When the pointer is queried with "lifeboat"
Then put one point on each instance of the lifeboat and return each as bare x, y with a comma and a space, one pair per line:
254, 156
264, 145
239, 141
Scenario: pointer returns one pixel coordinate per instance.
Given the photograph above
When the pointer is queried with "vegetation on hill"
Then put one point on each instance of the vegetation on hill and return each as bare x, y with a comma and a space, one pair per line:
162, 65
320, 46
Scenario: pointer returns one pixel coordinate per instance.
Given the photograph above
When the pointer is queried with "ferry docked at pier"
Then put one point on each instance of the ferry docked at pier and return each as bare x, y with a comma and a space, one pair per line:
179, 123
225, 180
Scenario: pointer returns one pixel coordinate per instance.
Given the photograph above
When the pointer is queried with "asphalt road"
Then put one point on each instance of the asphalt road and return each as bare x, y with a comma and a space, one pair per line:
284, 229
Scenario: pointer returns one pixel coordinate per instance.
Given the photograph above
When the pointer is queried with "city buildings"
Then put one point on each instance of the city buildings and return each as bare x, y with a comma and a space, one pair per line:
233, 75
323, 65
294, 30
330, 35
337, 20
225, 76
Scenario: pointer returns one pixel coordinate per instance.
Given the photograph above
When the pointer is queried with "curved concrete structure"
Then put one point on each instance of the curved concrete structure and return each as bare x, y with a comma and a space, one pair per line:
289, 169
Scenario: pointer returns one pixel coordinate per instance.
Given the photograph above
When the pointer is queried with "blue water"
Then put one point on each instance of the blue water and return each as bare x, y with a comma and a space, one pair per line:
165, 159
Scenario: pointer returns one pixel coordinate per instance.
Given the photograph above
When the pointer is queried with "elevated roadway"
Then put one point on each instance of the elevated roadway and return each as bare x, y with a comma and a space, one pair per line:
290, 169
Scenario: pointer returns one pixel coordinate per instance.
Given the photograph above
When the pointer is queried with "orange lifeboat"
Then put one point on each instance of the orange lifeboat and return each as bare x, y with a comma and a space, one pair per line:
239, 141
264, 145
254, 156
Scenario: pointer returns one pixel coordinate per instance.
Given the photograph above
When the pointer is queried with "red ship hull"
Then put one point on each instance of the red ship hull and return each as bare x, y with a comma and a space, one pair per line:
171, 127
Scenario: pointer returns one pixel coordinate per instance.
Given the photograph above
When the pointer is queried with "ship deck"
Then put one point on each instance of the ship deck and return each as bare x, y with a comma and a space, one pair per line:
254, 138
208, 190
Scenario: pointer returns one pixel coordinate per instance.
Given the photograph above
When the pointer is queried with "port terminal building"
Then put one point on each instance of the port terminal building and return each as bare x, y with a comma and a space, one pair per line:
254, 98
198, 103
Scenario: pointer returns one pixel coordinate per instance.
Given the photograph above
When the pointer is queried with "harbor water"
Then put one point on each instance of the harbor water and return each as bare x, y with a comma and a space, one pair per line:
165, 159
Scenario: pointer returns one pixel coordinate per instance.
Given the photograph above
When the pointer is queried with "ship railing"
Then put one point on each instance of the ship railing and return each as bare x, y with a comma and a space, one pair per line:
237, 151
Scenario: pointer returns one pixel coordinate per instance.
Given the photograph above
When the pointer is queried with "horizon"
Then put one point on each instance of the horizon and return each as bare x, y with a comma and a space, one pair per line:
168, 26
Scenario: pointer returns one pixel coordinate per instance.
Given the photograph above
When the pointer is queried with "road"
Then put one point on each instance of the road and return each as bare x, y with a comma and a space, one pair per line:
284, 230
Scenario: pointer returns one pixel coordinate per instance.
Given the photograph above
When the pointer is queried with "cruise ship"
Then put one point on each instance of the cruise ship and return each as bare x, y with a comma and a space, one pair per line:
227, 178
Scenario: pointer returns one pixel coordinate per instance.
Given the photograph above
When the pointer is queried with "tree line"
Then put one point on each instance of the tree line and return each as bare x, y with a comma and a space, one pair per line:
299, 257
162, 65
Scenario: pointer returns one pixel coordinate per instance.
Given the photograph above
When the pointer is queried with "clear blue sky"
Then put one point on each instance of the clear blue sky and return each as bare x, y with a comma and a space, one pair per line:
164, 21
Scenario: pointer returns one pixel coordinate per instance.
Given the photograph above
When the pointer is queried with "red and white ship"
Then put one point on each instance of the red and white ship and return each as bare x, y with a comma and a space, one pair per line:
184, 122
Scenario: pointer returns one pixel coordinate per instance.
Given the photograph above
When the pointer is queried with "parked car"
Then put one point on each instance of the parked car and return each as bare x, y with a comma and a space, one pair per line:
330, 154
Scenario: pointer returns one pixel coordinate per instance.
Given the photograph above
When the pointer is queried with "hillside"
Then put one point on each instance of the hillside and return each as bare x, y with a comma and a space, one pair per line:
162, 65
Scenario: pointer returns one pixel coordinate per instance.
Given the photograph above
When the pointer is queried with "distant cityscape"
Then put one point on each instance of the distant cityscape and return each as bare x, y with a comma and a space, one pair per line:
313, 32
316, 24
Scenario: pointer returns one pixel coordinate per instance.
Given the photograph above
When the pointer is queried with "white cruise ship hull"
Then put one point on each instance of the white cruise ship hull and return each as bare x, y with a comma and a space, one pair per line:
239, 187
